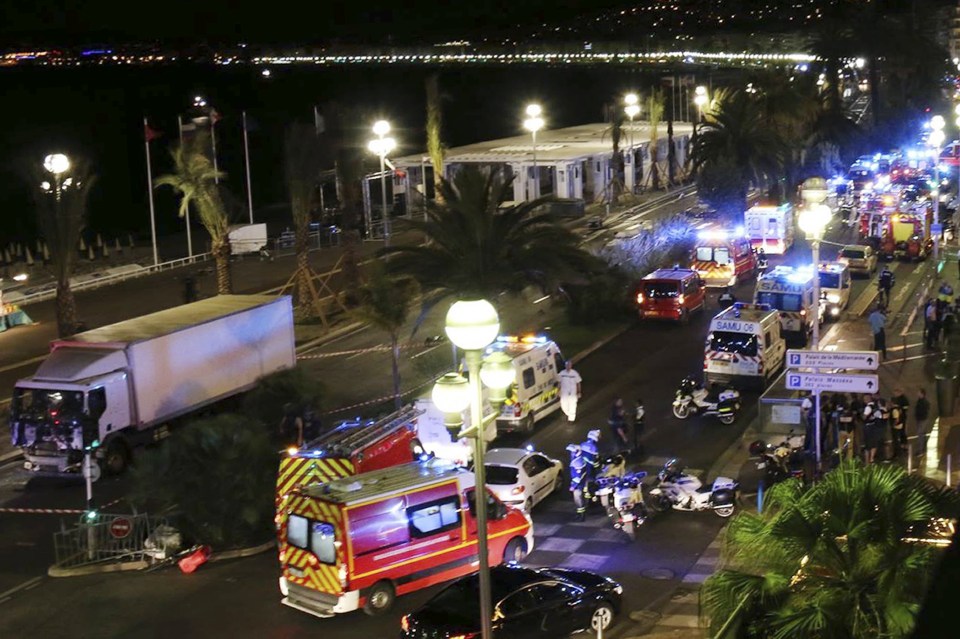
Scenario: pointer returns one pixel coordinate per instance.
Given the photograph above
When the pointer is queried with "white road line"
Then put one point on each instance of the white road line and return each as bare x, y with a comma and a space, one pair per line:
27, 585
10, 367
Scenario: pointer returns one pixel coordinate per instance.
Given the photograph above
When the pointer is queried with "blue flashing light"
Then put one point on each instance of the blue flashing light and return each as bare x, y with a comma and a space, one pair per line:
97, 52
529, 448
424, 457
798, 277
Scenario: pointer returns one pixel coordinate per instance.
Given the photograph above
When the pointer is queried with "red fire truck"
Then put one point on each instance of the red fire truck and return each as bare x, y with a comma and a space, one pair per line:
360, 541
722, 258
902, 237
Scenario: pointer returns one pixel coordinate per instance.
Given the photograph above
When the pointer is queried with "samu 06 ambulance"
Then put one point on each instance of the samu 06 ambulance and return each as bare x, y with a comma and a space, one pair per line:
358, 542
535, 392
744, 346
790, 291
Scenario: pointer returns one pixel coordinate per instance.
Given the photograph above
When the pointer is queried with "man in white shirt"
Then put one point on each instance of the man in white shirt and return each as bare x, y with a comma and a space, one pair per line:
569, 391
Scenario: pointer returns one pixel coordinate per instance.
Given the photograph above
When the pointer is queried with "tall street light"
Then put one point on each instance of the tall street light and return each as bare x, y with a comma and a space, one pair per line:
936, 141
632, 109
381, 147
472, 325
534, 123
700, 99
813, 220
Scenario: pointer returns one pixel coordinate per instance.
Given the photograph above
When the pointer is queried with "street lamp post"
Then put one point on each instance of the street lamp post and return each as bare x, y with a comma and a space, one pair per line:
472, 325
700, 99
813, 221
534, 123
381, 147
936, 140
632, 108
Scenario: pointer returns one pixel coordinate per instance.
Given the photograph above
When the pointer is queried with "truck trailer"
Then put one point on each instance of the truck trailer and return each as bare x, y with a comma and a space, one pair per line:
122, 385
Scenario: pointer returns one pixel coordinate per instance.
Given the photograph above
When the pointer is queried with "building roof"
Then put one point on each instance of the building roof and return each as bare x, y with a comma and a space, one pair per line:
553, 145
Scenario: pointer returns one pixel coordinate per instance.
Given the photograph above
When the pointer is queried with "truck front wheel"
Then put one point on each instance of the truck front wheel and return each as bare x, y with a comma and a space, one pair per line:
117, 456
380, 598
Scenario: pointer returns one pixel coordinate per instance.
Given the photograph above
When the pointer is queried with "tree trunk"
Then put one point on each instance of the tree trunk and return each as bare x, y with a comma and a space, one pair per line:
395, 351
221, 256
654, 169
302, 288
66, 309
434, 132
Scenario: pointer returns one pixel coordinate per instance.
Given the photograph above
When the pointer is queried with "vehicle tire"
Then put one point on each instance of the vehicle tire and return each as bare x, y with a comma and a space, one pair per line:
661, 504
602, 617
515, 551
682, 411
116, 458
528, 505
528, 424
728, 418
631, 530
380, 598
724, 511
558, 482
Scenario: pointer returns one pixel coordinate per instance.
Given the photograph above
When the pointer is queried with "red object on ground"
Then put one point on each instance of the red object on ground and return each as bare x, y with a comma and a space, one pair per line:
195, 559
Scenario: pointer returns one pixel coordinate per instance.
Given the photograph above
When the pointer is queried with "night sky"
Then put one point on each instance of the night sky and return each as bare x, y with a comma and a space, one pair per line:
84, 21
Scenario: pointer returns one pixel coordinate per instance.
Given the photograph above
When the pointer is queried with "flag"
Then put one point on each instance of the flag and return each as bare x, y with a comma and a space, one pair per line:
150, 133
318, 121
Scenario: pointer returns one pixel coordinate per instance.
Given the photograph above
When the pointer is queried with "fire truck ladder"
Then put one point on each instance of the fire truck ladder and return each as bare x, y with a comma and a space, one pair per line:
350, 439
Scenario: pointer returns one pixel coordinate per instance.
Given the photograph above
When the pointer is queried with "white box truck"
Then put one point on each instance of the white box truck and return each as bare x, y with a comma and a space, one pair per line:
247, 238
123, 384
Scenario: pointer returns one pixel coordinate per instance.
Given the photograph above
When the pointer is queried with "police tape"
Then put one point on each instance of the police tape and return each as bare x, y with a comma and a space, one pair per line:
358, 351
378, 400
54, 511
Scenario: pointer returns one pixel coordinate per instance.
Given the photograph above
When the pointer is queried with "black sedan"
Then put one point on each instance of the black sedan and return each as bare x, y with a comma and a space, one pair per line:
528, 603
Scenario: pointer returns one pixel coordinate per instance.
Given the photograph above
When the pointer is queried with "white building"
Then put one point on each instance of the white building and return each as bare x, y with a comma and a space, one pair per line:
571, 163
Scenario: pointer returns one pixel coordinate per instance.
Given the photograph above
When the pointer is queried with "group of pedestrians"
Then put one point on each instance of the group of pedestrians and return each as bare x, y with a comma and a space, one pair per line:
865, 425
939, 315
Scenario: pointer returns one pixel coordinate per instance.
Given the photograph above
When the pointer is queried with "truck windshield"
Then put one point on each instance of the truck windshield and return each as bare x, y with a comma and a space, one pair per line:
739, 343
41, 400
661, 290
316, 536
789, 302
829, 280
720, 254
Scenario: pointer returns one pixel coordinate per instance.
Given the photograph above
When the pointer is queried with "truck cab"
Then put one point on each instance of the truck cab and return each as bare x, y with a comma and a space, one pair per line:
723, 258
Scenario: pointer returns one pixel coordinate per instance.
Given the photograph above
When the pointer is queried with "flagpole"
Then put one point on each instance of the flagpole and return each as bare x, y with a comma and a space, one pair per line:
186, 213
153, 223
246, 155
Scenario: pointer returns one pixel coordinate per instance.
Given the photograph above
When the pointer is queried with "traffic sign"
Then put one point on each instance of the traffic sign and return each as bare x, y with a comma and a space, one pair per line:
833, 383
120, 527
857, 360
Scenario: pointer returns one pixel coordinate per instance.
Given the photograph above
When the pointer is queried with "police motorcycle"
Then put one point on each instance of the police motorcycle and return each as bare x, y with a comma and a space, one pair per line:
603, 488
627, 509
692, 398
677, 490
779, 461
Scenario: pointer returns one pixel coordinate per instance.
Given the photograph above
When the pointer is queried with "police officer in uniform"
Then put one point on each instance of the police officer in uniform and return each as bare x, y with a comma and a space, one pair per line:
578, 480
591, 453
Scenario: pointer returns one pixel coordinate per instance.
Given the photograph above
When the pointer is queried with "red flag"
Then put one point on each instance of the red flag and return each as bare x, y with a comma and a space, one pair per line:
149, 133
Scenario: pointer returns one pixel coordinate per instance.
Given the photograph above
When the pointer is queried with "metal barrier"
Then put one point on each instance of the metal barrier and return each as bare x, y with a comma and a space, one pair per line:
108, 538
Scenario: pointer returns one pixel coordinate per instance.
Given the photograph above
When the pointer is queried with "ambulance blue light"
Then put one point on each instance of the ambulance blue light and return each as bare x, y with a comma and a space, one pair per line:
798, 278
529, 448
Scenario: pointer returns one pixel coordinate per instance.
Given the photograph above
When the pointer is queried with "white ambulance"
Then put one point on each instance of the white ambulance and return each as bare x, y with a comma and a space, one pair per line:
770, 228
535, 392
744, 346
790, 291
835, 288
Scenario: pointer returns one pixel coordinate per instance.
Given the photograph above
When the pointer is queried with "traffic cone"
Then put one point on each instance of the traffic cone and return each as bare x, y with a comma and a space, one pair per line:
117, 247
106, 250
6, 257
28, 256
83, 245
39, 246
130, 239
90, 255
99, 241
46, 252
19, 250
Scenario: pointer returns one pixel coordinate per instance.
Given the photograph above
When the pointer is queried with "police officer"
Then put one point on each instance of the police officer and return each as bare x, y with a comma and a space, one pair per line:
726, 298
578, 480
591, 453
761, 260
885, 284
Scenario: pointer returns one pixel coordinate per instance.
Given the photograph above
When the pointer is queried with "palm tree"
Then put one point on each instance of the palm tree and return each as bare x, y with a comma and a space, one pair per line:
196, 180
434, 130
616, 116
654, 115
384, 301
838, 559
303, 161
61, 215
348, 164
737, 133
475, 248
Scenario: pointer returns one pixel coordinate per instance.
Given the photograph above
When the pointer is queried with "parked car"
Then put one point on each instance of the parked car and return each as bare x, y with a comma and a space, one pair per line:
527, 602
522, 477
859, 258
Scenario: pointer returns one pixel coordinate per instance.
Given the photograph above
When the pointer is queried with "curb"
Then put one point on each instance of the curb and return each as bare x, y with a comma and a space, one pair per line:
54, 571
582, 355
240, 553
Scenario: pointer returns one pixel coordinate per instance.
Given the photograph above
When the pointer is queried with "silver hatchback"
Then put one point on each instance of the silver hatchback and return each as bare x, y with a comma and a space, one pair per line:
859, 258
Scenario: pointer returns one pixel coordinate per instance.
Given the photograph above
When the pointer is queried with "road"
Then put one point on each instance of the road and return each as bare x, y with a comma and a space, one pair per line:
241, 597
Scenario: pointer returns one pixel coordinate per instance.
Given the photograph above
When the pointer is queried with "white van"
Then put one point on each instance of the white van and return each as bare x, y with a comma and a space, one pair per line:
834, 288
744, 346
535, 392
790, 291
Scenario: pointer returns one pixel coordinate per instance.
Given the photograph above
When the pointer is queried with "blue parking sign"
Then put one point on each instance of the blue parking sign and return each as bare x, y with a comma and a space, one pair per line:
794, 359
794, 381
